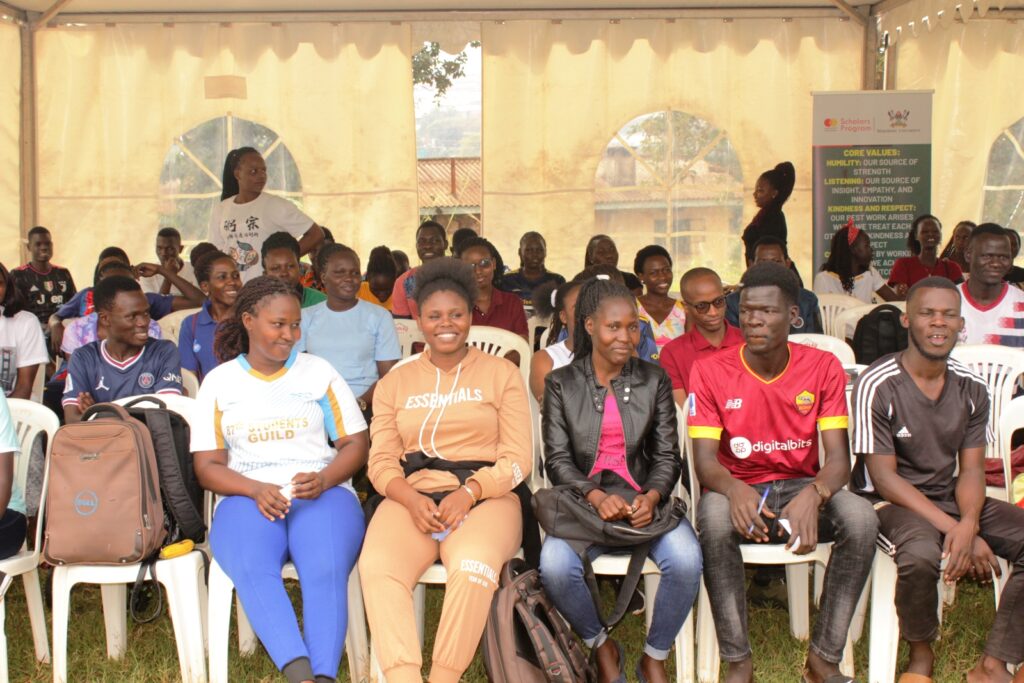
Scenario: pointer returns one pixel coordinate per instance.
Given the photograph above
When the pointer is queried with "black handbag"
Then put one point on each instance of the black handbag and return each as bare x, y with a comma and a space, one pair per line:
564, 512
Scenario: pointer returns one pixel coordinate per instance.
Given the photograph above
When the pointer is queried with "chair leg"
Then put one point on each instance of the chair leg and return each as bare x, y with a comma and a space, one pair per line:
707, 640
62, 585
246, 636
220, 592
36, 615
860, 613
651, 583
819, 582
884, 636
182, 585
3, 642
684, 650
115, 617
799, 607
419, 598
356, 638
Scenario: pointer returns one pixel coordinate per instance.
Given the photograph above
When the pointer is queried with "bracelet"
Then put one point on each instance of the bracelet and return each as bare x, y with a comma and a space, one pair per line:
471, 494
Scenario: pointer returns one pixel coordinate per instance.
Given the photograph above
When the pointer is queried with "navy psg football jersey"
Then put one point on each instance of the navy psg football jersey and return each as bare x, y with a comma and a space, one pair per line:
156, 369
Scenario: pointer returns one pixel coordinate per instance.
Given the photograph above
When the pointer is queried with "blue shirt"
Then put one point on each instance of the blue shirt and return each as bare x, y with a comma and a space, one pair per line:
9, 444
195, 342
352, 341
153, 370
81, 304
810, 316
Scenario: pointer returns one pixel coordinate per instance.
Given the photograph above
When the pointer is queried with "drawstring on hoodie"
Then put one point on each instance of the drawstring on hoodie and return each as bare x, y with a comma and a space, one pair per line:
444, 404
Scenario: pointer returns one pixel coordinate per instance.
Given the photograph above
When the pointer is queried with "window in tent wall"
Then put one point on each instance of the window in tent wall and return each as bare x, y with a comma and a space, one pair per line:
448, 114
190, 180
672, 179
1004, 183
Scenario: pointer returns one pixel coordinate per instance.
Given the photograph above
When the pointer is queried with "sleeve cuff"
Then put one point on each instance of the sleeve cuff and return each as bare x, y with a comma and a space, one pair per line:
838, 422
714, 433
381, 481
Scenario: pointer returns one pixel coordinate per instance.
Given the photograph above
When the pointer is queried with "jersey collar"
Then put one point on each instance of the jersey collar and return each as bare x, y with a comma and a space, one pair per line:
244, 362
758, 377
970, 299
120, 364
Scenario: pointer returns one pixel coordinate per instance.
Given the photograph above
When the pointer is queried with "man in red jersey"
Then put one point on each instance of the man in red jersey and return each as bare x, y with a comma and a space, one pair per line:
755, 411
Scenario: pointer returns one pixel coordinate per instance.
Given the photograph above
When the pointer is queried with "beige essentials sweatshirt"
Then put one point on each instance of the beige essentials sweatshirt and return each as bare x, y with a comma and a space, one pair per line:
478, 410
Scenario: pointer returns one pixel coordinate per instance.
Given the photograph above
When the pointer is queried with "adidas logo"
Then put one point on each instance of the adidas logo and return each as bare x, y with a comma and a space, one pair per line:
904, 433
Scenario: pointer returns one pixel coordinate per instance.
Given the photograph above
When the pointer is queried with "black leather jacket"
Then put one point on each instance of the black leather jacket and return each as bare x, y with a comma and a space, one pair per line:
571, 424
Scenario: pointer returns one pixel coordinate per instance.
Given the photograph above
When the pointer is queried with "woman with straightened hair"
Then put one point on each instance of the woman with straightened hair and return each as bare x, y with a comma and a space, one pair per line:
451, 449
247, 215
609, 426
277, 435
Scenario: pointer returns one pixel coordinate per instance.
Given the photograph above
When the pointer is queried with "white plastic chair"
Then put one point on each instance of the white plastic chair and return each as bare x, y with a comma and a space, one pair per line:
498, 342
181, 577
830, 306
797, 582
221, 590
532, 324
408, 334
840, 349
171, 323
39, 384
846, 320
190, 382
1000, 367
30, 420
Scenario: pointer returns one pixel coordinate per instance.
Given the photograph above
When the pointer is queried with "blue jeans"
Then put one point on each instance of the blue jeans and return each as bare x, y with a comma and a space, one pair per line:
322, 537
678, 557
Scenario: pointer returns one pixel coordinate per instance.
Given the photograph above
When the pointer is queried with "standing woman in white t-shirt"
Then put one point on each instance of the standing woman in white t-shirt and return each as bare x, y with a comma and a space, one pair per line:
848, 269
247, 215
22, 346
264, 422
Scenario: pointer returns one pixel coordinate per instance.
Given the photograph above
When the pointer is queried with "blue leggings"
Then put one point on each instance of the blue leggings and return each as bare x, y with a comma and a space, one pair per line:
322, 537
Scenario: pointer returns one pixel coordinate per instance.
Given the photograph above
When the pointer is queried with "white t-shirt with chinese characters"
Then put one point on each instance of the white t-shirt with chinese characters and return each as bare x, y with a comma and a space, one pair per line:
21, 344
153, 283
1001, 322
239, 230
276, 426
864, 285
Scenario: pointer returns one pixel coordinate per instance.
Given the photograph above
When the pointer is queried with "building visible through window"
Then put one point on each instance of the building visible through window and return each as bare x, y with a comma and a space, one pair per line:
1004, 182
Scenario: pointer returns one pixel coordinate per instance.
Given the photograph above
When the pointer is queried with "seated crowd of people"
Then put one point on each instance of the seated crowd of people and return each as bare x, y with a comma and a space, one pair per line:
304, 409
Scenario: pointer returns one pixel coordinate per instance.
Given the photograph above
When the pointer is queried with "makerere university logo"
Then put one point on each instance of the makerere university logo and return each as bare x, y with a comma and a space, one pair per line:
899, 118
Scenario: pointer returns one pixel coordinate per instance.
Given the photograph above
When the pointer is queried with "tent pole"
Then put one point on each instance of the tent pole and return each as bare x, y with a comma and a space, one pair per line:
49, 14
850, 11
28, 149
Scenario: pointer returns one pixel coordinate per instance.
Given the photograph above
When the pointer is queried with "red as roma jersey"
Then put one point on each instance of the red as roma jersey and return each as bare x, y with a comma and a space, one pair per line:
767, 430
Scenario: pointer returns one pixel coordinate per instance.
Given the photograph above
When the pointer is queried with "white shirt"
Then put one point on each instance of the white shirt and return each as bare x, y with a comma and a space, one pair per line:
560, 354
274, 427
1001, 322
864, 285
240, 230
153, 283
21, 344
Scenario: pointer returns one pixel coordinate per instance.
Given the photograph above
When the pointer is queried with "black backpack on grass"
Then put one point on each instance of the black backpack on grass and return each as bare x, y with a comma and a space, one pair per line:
179, 488
879, 333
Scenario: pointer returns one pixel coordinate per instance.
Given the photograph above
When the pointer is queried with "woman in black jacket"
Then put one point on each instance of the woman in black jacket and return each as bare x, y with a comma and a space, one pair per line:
610, 429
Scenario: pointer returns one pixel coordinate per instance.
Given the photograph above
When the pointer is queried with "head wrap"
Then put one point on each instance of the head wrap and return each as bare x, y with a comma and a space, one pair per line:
852, 232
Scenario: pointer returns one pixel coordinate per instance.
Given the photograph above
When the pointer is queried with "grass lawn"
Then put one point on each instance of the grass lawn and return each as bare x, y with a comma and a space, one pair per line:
151, 654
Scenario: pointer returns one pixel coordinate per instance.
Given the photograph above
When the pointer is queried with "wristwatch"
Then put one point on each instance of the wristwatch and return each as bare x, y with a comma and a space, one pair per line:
362, 404
823, 492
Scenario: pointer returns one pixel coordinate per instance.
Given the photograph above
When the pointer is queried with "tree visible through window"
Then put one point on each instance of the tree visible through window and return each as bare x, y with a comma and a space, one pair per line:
190, 180
673, 179
1004, 183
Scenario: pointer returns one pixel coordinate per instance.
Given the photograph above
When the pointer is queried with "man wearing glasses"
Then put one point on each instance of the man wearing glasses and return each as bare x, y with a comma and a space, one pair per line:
701, 289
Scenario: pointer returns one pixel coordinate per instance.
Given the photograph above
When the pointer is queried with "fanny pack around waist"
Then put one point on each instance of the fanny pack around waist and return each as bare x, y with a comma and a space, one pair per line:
463, 470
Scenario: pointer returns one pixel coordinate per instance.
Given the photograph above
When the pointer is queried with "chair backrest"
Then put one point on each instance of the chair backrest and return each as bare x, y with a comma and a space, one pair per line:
498, 342
544, 336
30, 420
533, 323
830, 306
171, 323
837, 347
183, 405
408, 334
190, 382
39, 384
686, 453
846, 320
1011, 419
1000, 367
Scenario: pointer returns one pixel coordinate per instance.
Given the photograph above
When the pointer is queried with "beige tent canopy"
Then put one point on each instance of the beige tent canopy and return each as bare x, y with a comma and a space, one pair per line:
104, 101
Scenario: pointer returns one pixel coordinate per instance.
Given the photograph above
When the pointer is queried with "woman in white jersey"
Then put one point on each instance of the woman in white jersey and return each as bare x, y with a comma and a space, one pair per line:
247, 215
265, 422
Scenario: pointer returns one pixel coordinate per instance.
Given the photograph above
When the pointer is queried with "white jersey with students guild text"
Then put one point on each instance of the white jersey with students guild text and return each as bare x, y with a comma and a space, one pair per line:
1001, 322
275, 426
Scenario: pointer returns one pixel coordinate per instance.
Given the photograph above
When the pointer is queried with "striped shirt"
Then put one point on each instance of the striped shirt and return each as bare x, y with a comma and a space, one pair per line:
275, 426
892, 416
1000, 322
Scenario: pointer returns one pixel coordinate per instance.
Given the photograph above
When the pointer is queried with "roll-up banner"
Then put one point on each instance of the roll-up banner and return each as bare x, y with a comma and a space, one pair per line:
872, 163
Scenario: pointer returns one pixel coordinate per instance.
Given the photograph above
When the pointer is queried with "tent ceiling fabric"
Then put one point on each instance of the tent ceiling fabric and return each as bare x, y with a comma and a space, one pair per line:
161, 6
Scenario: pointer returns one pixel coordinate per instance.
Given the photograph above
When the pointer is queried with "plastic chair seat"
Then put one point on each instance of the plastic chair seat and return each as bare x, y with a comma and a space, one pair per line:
181, 578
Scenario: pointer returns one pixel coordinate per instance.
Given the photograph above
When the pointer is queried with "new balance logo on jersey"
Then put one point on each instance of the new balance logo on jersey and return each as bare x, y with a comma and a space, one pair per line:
734, 404
903, 433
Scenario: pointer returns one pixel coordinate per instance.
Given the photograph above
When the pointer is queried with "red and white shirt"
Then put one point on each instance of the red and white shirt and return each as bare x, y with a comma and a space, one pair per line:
767, 430
1001, 322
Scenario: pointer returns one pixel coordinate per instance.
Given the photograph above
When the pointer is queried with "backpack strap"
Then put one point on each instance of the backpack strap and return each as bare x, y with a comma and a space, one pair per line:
172, 479
629, 584
135, 597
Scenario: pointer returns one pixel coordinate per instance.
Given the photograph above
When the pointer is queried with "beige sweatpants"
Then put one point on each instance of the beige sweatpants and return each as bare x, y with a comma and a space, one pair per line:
395, 554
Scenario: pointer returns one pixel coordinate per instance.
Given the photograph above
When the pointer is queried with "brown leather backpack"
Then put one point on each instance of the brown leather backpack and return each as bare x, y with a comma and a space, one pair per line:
103, 503
526, 640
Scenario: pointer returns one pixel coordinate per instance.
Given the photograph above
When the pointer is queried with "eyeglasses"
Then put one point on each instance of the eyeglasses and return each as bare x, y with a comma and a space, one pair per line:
703, 306
483, 263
